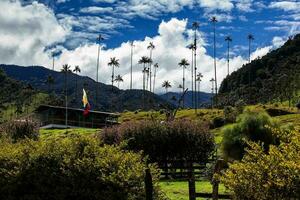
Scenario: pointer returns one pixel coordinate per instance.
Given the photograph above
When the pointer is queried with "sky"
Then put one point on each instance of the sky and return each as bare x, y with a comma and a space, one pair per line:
31, 31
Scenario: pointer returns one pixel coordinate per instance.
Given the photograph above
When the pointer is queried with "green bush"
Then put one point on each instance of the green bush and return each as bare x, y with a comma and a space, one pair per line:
268, 175
21, 129
75, 167
230, 114
251, 125
177, 140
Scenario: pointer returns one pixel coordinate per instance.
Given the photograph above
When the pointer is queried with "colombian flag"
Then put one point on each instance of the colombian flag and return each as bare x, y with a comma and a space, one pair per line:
86, 104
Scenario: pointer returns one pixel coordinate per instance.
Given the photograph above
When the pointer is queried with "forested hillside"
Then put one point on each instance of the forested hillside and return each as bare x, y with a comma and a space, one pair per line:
274, 77
109, 98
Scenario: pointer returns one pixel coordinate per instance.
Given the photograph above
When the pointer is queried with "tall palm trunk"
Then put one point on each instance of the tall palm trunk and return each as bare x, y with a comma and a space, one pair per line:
76, 87
199, 101
192, 72
215, 65
183, 84
154, 80
150, 70
195, 70
66, 97
112, 77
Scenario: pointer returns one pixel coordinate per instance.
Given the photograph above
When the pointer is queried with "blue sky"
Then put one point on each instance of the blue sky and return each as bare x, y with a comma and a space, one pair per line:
32, 30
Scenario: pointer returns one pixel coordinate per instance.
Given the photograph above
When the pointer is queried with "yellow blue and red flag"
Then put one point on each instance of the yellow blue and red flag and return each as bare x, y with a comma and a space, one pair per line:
86, 104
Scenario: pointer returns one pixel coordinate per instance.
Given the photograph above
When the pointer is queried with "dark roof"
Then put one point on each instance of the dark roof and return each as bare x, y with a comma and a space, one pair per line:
45, 107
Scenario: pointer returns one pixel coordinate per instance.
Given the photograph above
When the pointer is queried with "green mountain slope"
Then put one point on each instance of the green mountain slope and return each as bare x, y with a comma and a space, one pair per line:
274, 77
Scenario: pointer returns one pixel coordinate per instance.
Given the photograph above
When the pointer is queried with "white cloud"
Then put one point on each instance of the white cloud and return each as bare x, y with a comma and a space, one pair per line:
244, 5
96, 10
278, 41
26, 31
286, 5
225, 5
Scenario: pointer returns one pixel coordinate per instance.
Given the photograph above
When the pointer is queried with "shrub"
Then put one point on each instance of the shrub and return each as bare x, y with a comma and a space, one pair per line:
240, 105
230, 114
177, 140
21, 129
298, 105
218, 122
75, 167
264, 175
251, 125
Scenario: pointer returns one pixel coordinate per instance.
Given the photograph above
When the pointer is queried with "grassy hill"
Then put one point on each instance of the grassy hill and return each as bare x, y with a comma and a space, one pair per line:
274, 77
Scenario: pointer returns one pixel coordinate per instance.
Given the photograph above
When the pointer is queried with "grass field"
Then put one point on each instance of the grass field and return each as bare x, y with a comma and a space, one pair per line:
178, 190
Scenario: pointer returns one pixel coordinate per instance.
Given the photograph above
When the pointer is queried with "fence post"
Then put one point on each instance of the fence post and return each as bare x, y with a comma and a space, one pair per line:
192, 184
215, 181
148, 185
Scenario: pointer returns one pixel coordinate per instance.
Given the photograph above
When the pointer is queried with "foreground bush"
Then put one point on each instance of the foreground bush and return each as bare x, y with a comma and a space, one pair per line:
17, 130
177, 140
271, 175
70, 168
250, 126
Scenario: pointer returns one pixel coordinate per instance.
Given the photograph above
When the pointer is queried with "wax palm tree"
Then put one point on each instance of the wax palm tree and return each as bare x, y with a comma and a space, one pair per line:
166, 85
195, 26
183, 63
180, 87
144, 60
192, 47
250, 38
155, 71
214, 21
199, 79
228, 39
113, 63
50, 81
151, 47
212, 90
76, 70
119, 79
131, 55
66, 69
99, 39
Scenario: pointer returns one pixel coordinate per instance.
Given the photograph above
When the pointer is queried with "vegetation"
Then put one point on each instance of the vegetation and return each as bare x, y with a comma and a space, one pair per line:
20, 129
250, 126
73, 167
274, 77
180, 140
262, 175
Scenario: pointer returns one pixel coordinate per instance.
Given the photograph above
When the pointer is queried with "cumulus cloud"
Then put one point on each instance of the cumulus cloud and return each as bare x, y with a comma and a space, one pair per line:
96, 10
286, 5
25, 32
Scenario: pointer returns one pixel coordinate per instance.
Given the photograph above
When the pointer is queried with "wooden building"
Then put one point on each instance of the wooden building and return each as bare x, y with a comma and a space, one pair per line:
55, 117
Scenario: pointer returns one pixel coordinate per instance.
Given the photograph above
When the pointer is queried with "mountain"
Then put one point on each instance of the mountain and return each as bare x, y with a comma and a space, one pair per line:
109, 99
204, 98
274, 77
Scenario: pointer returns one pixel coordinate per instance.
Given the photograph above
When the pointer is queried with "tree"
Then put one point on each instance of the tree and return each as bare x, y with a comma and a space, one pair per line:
192, 47
76, 70
99, 39
66, 69
50, 81
228, 39
212, 91
195, 27
166, 85
155, 71
131, 55
183, 63
151, 47
144, 60
119, 79
214, 21
113, 63
199, 79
